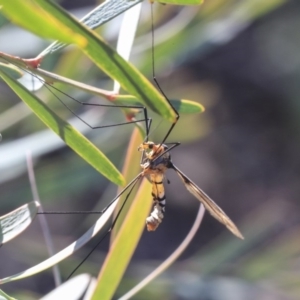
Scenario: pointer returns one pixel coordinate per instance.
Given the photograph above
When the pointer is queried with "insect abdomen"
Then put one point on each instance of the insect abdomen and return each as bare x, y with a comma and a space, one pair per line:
159, 199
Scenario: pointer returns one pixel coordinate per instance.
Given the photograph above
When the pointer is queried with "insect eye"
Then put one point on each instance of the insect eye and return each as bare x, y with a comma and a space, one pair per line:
150, 146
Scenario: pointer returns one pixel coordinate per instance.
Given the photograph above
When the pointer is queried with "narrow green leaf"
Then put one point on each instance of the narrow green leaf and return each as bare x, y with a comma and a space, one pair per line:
67, 133
15, 222
31, 16
124, 244
183, 106
114, 65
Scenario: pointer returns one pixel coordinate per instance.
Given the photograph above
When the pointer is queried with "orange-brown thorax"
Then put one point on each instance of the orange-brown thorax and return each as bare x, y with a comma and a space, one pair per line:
152, 150
156, 161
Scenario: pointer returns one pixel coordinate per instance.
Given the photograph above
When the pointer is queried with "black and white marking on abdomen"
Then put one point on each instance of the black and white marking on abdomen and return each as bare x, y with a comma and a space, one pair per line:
159, 201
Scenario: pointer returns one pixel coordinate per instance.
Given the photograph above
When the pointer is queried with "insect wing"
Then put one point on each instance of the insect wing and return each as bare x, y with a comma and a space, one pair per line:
208, 203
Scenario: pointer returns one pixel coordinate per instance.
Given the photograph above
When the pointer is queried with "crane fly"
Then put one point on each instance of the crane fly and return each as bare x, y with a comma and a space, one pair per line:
157, 161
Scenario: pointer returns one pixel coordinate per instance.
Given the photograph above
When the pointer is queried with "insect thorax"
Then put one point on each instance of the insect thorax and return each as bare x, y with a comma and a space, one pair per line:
158, 160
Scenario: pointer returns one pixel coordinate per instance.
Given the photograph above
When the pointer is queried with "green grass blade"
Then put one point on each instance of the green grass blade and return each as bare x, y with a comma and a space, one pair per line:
73, 138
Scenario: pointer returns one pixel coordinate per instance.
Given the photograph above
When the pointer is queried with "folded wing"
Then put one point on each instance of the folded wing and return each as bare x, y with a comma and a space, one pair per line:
208, 203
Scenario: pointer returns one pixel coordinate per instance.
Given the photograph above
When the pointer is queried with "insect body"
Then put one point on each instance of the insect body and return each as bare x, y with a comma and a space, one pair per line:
157, 161
155, 165
159, 200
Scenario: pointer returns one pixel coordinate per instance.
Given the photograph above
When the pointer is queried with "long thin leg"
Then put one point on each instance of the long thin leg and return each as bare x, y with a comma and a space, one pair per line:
130, 185
132, 182
51, 89
109, 230
146, 119
99, 105
157, 84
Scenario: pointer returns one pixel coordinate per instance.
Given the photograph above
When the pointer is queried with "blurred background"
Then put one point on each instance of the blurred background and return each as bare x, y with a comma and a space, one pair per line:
240, 59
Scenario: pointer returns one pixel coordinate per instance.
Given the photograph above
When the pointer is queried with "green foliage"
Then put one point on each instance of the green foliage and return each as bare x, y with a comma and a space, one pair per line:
225, 260
43, 22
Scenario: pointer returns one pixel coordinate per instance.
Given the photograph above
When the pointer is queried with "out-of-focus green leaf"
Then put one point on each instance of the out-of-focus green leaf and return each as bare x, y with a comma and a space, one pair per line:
66, 132
33, 17
4, 296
